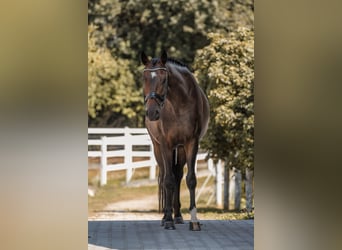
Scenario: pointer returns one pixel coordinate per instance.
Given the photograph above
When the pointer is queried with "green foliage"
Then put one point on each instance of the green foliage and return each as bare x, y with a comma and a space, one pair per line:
102, 13
128, 27
111, 84
180, 26
237, 13
225, 69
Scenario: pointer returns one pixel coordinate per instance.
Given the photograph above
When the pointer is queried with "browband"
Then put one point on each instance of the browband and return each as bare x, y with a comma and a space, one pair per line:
154, 69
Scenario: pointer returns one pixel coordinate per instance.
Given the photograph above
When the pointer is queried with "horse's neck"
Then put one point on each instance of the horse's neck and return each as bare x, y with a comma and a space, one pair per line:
181, 87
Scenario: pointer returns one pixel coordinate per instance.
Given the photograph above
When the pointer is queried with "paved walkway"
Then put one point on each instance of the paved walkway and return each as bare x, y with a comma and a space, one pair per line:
148, 234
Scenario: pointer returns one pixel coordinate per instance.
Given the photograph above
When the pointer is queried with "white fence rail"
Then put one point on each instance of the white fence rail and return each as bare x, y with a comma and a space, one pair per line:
128, 143
135, 147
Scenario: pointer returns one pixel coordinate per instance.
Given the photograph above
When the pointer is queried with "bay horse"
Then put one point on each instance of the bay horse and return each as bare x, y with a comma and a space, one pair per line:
177, 116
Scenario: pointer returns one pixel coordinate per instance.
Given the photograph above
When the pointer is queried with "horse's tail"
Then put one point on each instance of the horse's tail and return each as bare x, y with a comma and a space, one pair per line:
161, 190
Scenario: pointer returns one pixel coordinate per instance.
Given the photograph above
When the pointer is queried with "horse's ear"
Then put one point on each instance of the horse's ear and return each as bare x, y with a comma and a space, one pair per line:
144, 58
163, 57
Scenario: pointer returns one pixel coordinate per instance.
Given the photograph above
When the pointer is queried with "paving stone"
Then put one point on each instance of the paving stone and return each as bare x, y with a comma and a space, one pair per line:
148, 234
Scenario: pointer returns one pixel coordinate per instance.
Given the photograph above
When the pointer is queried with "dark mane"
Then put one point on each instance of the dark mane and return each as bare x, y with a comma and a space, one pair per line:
172, 61
179, 63
154, 61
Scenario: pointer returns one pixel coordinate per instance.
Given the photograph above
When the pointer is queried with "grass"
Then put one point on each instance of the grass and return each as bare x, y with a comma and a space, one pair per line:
116, 190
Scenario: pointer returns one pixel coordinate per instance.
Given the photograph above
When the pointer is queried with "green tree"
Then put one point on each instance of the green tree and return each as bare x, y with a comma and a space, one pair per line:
237, 13
111, 86
128, 27
180, 26
102, 13
225, 69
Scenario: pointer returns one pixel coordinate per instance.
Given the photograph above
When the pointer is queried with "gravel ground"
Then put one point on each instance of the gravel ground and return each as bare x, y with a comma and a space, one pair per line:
138, 209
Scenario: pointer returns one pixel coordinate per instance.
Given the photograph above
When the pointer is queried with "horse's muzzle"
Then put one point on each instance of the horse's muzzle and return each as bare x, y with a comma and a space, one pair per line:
153, 114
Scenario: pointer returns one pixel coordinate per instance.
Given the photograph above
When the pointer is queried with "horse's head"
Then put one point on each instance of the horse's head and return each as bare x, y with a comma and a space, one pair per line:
155, 85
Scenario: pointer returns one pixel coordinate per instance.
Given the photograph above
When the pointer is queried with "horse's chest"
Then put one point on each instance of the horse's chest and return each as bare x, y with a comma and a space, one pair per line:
175, 126
175, 133
180, 129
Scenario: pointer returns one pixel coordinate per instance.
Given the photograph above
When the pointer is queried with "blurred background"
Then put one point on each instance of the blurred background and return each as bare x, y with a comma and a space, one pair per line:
216, 40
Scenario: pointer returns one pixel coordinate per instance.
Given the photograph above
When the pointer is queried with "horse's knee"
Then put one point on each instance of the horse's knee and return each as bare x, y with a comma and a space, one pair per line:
178, 174
191, 181
169, 182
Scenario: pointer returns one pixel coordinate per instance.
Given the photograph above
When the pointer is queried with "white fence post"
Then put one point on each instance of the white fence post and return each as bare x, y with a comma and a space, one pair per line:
153, 164
132, 137
219, 183
226, 188
129, 155
103, 174
211, 166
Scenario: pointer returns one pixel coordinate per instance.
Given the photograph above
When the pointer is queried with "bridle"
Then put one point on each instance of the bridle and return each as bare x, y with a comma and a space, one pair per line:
160, 99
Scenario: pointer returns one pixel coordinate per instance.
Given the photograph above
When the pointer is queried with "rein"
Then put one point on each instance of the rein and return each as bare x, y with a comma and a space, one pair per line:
160, 99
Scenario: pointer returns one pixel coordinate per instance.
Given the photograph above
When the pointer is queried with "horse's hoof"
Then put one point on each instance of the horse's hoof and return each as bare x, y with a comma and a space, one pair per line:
179, 220
162, 222
170, 225
195, 226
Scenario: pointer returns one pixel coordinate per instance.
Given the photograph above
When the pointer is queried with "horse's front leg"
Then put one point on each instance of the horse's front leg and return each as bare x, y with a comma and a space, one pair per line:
178, 165
191, 152
161, 191
169, 188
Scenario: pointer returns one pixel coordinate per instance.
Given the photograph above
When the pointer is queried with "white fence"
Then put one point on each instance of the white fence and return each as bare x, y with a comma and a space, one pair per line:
135, 147
128, 143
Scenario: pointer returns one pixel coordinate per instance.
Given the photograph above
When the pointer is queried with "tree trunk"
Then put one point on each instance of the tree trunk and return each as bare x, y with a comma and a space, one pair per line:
249, 189
238, 190
235, 189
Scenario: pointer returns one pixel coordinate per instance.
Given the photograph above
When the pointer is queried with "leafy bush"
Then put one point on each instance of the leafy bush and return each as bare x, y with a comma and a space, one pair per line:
225, 70
111, 84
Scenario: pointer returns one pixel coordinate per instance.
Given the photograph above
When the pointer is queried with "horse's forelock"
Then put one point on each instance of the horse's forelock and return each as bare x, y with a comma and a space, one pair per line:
154, 61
